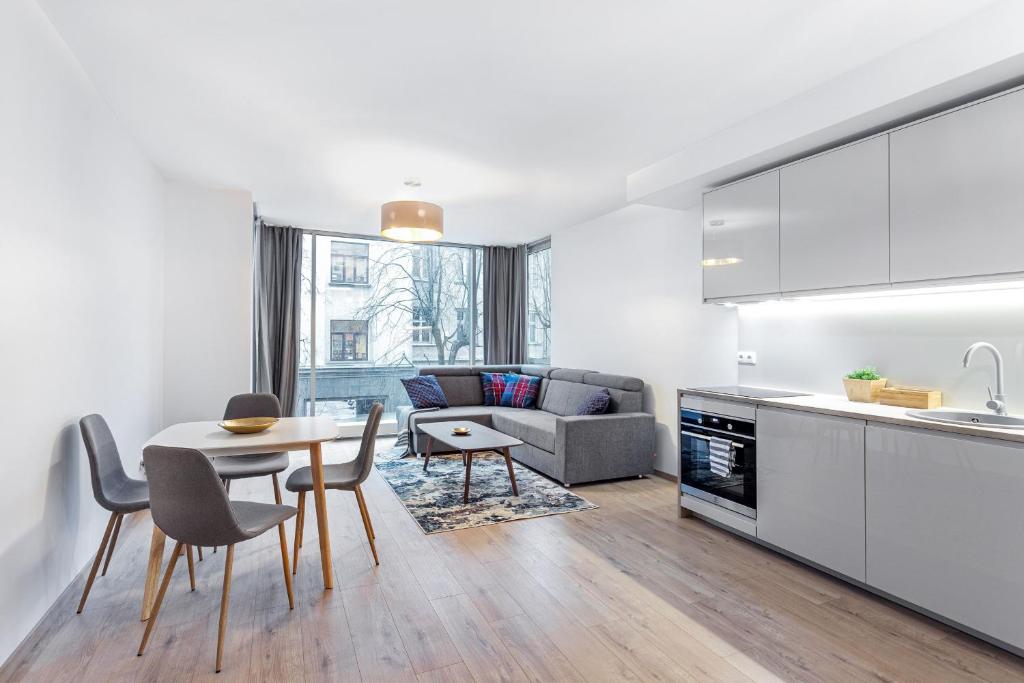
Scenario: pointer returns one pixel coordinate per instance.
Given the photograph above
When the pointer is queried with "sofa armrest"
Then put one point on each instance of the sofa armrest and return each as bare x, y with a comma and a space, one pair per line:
596, 447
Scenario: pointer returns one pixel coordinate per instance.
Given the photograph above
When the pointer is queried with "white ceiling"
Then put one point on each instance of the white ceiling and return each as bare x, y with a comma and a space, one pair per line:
518, 117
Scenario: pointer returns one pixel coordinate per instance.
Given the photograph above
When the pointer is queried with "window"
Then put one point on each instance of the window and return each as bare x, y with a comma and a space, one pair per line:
348, 340
350, 263
417, 305
538, 275
422, 333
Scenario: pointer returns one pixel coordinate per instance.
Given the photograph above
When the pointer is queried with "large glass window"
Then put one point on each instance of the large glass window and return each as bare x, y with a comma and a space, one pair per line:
417, 305
538, 268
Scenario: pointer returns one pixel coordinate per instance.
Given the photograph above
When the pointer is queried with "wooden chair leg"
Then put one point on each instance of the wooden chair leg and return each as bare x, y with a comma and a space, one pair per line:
113, 542
284, 563
224, 598
366, 511
191, 568
366, 524
96, 562
300, 519
277, 489
160, 597
199, 549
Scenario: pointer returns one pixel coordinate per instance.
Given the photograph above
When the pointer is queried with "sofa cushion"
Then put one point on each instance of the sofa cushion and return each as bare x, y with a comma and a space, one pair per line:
493, 386
595, 404
569, 375
600, 379
520, 391
462, 390
563, 398
534, 427
425, 392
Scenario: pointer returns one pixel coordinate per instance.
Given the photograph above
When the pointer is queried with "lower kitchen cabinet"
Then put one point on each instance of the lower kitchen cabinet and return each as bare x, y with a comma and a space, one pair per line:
810, 487
945, 526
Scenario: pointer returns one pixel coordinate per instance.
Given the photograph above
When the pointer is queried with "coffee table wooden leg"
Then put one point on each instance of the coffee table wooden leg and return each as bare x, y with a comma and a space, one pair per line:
468, 455
511, 473
430, 449
156, 557
316, 464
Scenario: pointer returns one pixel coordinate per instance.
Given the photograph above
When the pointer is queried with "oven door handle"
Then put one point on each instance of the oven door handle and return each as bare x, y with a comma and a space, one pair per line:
708, 438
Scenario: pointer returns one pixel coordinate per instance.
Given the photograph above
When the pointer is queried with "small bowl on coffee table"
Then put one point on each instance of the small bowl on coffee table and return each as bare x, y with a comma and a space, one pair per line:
460, 431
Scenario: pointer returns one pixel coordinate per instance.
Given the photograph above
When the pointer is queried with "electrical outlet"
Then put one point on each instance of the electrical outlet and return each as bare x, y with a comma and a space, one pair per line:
746, 357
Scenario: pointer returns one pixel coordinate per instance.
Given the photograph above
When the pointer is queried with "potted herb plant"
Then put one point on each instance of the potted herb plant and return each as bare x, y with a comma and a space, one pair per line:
864, 385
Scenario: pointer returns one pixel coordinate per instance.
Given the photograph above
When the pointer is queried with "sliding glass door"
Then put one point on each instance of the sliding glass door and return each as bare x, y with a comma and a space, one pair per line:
372, 311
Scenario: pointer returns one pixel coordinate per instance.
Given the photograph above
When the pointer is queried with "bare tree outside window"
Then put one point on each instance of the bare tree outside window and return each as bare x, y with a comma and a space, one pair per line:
538, 266
424, 288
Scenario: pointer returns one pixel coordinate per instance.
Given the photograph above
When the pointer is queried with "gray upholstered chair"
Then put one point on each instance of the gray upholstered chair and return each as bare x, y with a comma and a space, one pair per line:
191, 506
114, 490
246, 466
343, 477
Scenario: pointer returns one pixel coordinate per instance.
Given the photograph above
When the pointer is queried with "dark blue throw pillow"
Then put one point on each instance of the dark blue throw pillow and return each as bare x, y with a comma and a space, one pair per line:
425, 392
595, 404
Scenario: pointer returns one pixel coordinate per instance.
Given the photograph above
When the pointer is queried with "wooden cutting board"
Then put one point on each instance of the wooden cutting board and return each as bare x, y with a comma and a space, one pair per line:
910, 397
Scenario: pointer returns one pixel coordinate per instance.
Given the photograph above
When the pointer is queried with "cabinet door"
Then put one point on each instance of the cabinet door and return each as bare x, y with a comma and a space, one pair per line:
945, 526
741, 238
810, 487
834, 218
957, 189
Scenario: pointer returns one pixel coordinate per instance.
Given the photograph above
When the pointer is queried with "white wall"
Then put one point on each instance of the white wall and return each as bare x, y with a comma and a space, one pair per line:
208, 300
915, 340
81, 291
626, 299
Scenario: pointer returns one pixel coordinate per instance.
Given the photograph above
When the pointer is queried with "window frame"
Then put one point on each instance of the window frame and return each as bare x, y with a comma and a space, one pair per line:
355, 259
366, 341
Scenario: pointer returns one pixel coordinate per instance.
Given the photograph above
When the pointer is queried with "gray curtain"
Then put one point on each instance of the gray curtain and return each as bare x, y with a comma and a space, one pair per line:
505, 305
278, 267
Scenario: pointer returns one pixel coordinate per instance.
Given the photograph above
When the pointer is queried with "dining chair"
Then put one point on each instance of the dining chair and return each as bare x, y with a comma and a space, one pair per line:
259, 465
192, 507
115, 491
345, 476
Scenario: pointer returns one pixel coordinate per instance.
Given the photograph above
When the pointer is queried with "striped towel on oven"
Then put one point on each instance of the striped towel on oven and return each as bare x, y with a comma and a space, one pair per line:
721, 457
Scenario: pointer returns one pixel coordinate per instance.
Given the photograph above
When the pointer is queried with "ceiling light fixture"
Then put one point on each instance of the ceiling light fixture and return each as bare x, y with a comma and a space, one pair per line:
412, 221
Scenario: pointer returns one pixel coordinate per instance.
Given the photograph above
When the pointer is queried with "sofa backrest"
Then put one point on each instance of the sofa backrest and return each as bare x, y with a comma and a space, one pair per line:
562, 390
568, 388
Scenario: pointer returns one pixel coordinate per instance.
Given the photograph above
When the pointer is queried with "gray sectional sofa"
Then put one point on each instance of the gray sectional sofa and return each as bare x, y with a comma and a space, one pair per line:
569, 448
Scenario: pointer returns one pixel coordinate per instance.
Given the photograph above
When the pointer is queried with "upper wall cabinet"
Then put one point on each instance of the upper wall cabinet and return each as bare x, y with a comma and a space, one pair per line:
834, 218
957, 183
741, 238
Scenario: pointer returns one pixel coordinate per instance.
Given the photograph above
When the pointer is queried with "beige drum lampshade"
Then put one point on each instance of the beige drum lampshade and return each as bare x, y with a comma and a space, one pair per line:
410, 221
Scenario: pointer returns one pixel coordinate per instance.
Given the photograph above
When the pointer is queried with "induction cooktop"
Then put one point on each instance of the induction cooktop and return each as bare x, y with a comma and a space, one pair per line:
752, 392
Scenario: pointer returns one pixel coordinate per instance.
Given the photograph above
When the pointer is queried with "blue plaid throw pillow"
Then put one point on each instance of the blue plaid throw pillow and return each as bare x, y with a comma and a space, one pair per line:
425, 392
493, 384
595, 404
520, 391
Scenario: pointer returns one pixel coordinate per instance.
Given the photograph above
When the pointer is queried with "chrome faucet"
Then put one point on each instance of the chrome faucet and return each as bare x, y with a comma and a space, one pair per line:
995, 403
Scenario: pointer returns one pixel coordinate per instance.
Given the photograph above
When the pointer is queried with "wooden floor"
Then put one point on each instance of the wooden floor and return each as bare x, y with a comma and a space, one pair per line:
624, 592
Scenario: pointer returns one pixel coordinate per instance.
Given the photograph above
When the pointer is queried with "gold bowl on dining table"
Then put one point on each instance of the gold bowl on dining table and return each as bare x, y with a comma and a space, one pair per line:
247, 425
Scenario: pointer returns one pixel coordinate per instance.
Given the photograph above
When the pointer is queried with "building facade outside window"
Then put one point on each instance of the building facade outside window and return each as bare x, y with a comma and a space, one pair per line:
350, 263
348, 340
421, 326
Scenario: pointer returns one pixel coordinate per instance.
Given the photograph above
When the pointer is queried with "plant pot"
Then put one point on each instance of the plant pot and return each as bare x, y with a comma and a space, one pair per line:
863, 390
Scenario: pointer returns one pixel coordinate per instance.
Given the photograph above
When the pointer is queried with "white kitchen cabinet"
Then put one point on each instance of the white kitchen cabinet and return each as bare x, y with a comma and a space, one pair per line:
957, 191
834, 218
945, 526
810, 487
741, 238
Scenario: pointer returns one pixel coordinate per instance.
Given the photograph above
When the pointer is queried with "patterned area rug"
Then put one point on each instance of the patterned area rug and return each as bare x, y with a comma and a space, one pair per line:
434, 498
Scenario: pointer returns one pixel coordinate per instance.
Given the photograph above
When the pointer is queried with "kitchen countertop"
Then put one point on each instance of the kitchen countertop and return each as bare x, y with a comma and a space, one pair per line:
838, 405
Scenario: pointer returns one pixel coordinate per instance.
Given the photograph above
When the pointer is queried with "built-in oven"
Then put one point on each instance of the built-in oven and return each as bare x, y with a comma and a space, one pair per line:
719, 460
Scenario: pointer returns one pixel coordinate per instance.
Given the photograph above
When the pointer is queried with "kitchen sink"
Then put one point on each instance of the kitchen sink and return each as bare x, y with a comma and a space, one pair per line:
969, 418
